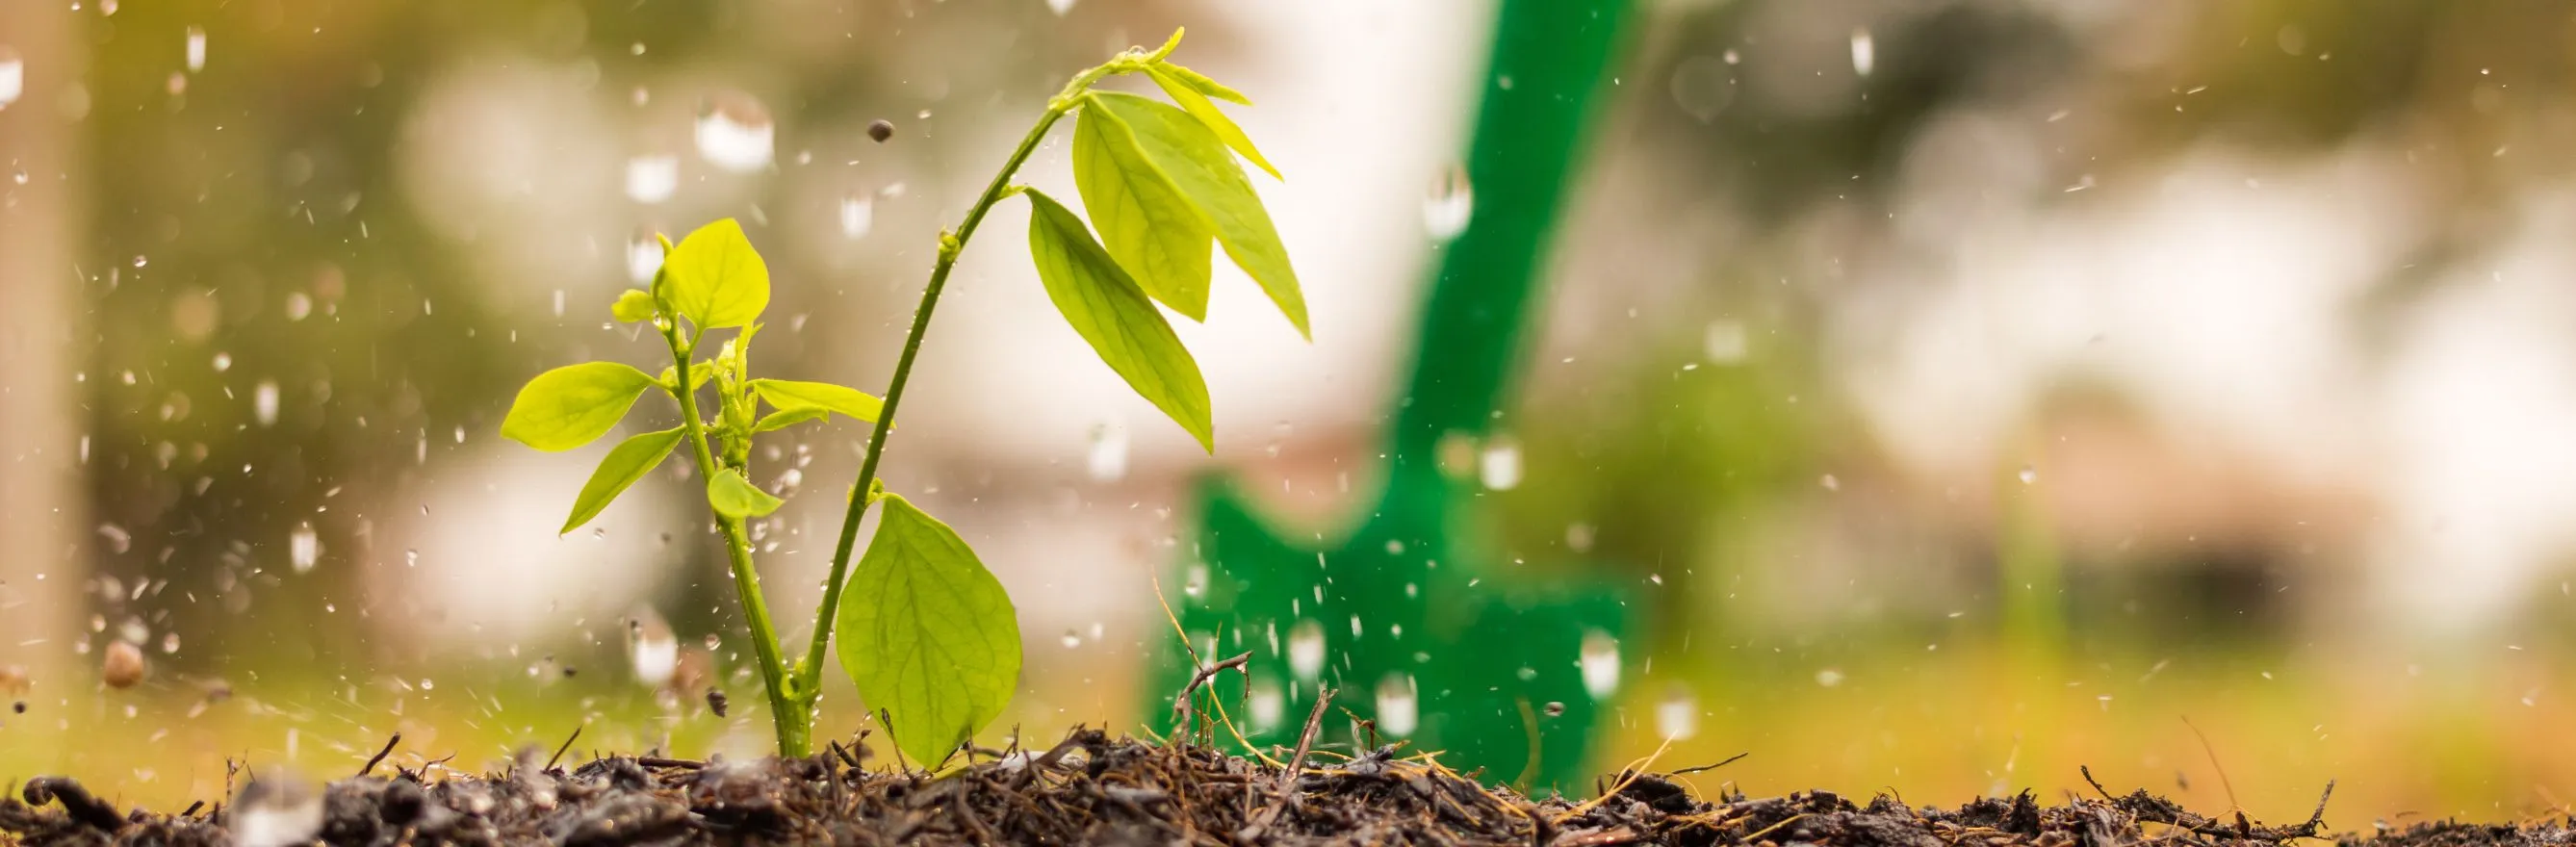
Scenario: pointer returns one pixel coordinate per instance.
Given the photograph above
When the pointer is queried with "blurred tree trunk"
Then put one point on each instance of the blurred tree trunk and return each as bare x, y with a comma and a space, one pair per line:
41, 506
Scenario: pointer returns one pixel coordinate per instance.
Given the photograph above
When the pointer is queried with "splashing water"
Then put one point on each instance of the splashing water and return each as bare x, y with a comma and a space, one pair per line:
1398, 707
735, 133
1450, 205
1499, 466
263, 402
1107, 461
654, 650
1864, 51
13, 76
276, 810
653, 178
303, 548
643, 257
858, 215
1600, 662
1306, 650
1677, 717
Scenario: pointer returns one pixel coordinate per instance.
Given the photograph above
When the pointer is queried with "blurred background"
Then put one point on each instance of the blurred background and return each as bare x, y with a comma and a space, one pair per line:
1968, 389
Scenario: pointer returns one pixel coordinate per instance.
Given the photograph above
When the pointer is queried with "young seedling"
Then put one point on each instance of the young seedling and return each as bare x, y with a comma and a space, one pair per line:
926, 632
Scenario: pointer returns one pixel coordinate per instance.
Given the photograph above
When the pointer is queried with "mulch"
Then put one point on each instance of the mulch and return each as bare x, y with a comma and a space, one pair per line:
1092, 789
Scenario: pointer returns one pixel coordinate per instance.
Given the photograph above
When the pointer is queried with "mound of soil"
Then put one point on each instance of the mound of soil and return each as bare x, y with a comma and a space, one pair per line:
1095, 790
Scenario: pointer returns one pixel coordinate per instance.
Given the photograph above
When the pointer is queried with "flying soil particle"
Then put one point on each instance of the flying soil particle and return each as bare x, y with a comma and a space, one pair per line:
123, 665
716, 702
880, 130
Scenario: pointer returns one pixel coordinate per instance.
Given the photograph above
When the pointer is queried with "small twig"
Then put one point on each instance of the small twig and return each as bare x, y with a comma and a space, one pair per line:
663, 762
2213, 763
381, 754
1183, 704
1287, 793
559, 751
1729, 761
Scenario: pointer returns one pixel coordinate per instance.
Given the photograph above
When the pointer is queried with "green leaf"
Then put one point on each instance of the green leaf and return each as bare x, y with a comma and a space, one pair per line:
698, 374
634, 305
630, 461
1143, 218
1185, 155
789, 394
1200, 83
573, 405
789, 417
928, 634
716, 280
735, 497
1110, 311
1195, 102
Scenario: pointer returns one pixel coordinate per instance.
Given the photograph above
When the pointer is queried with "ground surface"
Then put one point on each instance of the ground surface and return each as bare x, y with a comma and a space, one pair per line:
1095, 790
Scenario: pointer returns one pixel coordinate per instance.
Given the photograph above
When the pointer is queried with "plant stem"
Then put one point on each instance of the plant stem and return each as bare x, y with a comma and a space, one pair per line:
789, 710
809, 670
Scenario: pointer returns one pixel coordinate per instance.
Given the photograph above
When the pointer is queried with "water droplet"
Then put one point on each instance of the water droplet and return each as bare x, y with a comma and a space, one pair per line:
1060, 7
654, 650
1553, 709
652, 179
141, 260
735, 133
1499, 467
169, 642
13, 76
223, 362
1677, 717
263, 402
298, 305
1306, 650
1864, 51
196, 49
1600, 661
1703, 87
1194, 582
2029, 474
643, 257
122, 667
1830, 482
1829, 677
1267, 705
118, 540
1451, 203
1107, 461
1724, 342
276, 810
1398, 708
858, 215
303, 548
1578, 537
1072, 639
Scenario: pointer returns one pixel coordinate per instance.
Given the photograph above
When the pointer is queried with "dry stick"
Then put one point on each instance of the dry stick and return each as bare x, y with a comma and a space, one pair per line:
2212, 752
1288, 778
1729, 761
1181, 704
381, 754
567, 745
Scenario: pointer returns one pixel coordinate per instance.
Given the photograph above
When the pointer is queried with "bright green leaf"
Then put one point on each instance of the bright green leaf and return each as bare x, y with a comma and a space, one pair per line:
634, 305
1196, 103
716, 280
1143, 218
735, 497
790, 394
928, 634
1110, 311
790, 417
573, 405
1200, 83
698, 374
630, 461
1194, 163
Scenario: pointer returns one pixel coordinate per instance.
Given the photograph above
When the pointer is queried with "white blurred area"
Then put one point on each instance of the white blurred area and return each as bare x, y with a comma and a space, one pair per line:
2286, 376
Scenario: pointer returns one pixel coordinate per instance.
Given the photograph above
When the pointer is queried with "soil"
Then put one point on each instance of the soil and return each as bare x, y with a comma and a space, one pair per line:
1092, 789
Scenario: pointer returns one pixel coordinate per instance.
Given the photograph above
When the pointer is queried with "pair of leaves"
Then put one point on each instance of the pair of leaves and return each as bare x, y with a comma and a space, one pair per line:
574, 405
1160, 184
928, 634
1111, 312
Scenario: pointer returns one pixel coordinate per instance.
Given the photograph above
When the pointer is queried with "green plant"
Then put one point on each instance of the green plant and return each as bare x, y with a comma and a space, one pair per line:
926, 632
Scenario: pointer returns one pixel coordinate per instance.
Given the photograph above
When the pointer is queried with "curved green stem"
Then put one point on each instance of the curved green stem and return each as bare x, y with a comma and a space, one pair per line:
790, 709
809, 670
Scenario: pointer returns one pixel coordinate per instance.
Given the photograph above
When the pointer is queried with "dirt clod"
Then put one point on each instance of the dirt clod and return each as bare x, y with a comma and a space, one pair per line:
1091, 789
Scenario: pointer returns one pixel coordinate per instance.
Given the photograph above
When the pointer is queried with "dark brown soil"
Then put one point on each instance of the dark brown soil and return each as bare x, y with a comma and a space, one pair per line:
1095, 790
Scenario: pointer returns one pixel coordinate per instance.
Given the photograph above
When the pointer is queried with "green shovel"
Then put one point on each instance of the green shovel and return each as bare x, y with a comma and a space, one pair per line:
1424, 633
